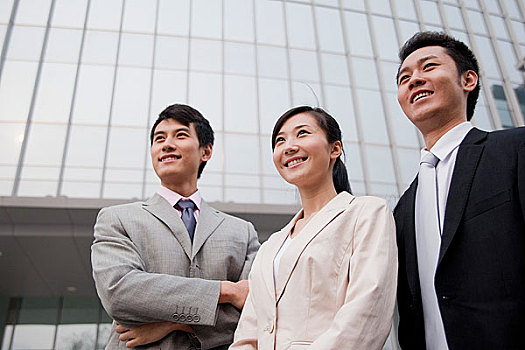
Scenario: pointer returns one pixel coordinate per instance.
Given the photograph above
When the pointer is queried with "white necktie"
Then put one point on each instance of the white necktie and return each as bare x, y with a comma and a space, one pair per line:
428, 241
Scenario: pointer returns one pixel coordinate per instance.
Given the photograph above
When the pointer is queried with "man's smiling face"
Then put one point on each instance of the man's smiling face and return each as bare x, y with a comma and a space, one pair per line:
430, 90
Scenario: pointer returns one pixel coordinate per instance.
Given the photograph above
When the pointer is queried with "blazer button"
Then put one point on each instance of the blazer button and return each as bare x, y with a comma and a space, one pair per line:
189, 318
196, 318
175, 317
182, 317
444, 297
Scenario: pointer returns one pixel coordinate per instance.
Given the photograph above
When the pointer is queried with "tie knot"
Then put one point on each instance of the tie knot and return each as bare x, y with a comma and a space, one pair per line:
185, 204
430, 159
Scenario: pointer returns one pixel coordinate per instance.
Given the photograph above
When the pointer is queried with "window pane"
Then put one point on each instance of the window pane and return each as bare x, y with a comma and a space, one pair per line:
11, 137
274, 101
171, 53
136, 50
304, 65
329, 29
239, 104
405, 133
130, 107
499, 27
241, 154
454, 17
63, 45
477, 23
353, 163
69, 13
408, 164
380, 7
139, 15
486, 57
127, 148
358, 34
386, 37
430, 12
105, 14
339, 105
372, 116
269, 21
36, 324
306, 93
100, 47
174, 17
300, 26
45, 144
16, 90
380, 166
239, 58
25, 43
365, 74
206, 55
87, 146
335, 69
205, 95
5, 10
169, 87
55, 90
206, 18
238, 23
33, 12
92, 104
272, 62
405, 9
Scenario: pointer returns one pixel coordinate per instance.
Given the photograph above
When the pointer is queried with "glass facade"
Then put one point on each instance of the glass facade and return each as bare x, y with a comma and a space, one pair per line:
78, 323
81, 81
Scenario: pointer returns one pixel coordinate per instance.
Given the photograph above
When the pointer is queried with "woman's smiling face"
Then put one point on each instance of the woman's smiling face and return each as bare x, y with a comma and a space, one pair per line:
302, 154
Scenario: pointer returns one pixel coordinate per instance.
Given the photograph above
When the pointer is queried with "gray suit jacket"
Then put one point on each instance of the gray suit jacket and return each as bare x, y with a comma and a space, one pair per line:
146, 270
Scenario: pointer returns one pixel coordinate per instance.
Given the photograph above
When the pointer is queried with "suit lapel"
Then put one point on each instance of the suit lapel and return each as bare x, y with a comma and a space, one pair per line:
409, 236
320, 220
163, 211
277, 241
207, 223
467, 161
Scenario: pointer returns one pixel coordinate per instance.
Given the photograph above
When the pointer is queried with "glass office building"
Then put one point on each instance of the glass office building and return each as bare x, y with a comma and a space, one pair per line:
81, 82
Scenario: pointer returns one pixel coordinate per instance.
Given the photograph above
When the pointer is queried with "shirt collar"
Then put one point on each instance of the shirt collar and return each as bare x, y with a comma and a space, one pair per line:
450, 141
173, 197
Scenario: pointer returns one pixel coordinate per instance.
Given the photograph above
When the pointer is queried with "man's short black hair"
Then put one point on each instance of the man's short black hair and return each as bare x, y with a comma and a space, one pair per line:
187, 115
460, 53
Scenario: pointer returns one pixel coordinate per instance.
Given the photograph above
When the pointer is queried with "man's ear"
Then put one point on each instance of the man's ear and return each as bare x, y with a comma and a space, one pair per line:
337, 149
469, 80
206, 152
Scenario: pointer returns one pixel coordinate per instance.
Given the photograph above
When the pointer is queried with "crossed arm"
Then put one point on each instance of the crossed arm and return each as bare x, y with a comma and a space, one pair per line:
143, 302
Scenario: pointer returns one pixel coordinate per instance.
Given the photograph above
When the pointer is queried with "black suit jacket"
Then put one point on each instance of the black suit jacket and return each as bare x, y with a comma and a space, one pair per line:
480, 277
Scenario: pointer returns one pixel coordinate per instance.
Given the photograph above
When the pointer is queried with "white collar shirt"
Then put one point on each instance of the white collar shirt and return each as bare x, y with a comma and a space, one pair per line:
173, 197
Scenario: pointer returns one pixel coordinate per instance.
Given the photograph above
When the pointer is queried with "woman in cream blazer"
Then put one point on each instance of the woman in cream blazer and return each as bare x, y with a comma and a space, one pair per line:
328, 279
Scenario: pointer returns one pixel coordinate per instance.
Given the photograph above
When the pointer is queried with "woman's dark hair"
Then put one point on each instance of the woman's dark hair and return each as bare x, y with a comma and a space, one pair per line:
333, 133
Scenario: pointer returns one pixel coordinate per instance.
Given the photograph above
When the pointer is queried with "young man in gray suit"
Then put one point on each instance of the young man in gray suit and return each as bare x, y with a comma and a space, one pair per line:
171, 271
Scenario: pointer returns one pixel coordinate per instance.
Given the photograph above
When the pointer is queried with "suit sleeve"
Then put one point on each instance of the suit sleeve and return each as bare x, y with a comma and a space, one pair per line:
253, 247
131, 295
365, 320
227, 314
246, 333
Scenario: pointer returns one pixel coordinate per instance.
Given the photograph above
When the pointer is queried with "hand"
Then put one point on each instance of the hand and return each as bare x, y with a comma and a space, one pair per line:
149, 333
234, 293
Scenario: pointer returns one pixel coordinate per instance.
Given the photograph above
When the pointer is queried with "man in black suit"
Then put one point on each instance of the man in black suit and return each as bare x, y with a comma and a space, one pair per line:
461, 223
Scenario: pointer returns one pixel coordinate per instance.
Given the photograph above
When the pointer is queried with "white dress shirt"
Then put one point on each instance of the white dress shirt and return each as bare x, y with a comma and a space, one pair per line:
446, 150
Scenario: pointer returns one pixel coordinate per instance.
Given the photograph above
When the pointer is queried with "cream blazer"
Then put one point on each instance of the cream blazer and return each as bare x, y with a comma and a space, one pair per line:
336, 283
